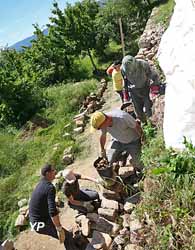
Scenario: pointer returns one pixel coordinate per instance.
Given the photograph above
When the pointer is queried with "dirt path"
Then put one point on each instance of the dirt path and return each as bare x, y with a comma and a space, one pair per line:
28, 240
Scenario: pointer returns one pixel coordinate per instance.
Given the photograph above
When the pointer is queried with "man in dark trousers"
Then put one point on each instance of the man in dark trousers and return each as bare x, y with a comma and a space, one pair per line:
138, 75
44, 216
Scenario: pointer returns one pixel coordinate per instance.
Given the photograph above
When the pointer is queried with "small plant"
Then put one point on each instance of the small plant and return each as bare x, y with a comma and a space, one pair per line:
149, 131
178, 163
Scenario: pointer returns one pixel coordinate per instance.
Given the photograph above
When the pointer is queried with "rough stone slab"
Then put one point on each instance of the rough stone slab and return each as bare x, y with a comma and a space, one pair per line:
150, 185
7, 245
22, 202
108, 240
110, 204
68, 150
66, 135
109, 214
89, 247
79, 123
133, 247
101, 240
85, 228
78, 130
80, 117
20, 221
105, 226
79, 218
126, 220
23, 210
111, 195
98, 240
135, 225
93, 217
133, 199
68, 159
129, 207
126, 171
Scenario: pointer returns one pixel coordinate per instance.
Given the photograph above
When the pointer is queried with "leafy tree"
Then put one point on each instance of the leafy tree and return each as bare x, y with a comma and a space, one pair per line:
19, 97
134, 14
45, 61
75, 27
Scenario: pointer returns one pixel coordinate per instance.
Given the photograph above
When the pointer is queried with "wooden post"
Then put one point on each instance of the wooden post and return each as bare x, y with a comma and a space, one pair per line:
122, 36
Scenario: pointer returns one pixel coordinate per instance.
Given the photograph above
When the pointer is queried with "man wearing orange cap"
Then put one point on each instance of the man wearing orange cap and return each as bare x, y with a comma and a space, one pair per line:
126, 135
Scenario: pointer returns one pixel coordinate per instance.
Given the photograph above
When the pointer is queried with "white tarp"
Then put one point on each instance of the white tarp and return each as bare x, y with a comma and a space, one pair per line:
177, 59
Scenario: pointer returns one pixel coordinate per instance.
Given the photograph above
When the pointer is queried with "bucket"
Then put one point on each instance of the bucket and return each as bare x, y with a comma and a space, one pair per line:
104, 172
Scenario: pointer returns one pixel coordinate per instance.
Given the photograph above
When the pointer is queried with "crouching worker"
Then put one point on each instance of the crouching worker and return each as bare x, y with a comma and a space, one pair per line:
79, 199
126, 135
44, 216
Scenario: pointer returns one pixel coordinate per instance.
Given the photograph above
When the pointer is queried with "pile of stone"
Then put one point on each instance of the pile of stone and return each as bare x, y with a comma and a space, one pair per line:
150, 40
68, 156
111, 227
22, 219
91, 103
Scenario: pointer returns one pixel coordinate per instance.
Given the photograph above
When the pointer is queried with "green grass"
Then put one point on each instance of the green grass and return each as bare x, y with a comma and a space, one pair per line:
170, 199
164, 13
23, 153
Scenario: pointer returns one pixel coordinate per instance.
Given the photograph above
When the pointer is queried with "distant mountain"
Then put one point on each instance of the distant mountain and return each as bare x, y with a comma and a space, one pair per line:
26, 42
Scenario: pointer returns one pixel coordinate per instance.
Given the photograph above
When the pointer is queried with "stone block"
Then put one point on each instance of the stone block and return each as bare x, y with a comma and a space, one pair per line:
109, 214
111, 195
125, 172
110, 204
105, 226
23, 210
78, 130
68, 159
22, 202
7, 245
20, 221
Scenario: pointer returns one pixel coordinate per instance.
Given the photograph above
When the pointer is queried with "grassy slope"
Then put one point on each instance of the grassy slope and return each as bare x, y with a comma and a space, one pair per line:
21, 157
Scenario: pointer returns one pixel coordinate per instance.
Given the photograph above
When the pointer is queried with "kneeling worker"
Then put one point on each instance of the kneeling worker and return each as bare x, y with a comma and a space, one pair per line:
79, 199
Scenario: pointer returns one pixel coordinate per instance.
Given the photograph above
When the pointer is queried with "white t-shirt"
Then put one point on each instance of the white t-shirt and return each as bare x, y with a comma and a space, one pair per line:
123, 127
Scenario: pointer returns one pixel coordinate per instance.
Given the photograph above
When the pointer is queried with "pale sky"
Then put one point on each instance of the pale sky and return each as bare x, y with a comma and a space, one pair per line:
17, 17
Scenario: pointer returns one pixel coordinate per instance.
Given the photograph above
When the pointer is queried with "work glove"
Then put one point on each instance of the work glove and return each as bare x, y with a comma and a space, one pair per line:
88, 206
103, 153
61, 234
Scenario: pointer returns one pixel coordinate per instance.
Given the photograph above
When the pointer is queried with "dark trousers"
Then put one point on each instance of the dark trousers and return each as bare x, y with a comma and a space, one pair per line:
121, 94
141, 99
132, 148
84, 195
50, 230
